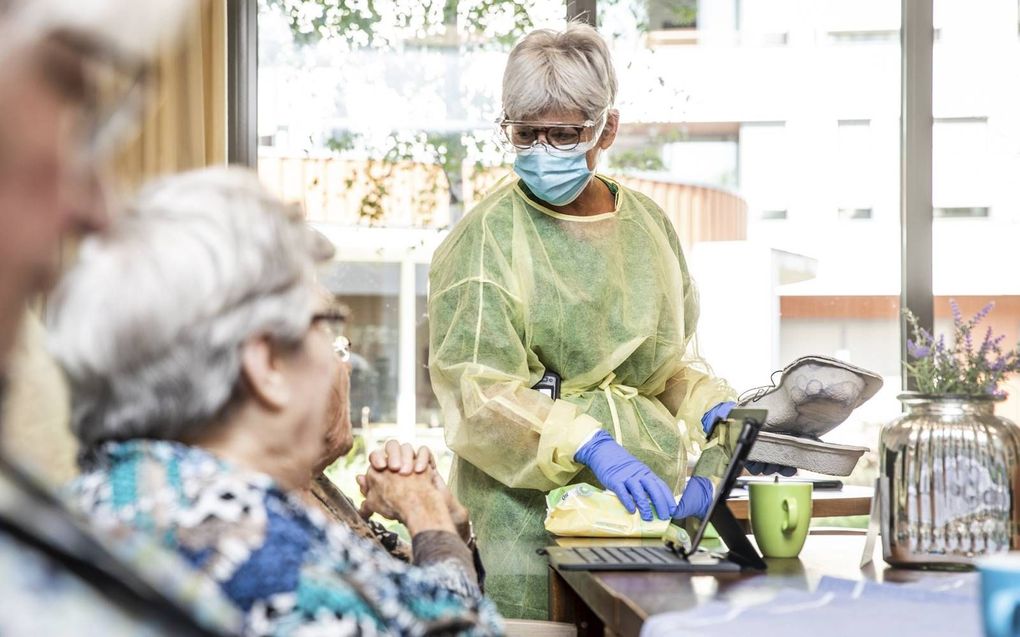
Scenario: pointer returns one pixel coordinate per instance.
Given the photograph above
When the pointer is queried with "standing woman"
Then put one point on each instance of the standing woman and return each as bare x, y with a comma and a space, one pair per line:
567, 271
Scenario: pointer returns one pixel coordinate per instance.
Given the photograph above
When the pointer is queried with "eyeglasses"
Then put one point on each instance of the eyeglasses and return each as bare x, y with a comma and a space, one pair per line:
559, 135
333, 323
114, 89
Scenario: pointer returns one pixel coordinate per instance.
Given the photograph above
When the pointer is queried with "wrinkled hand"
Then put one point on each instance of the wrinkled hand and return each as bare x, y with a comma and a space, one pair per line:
767, 468
403, 460
413, 500
634, 484
715, 414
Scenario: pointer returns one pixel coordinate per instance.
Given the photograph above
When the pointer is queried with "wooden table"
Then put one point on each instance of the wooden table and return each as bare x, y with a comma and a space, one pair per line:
618, 603
849, 500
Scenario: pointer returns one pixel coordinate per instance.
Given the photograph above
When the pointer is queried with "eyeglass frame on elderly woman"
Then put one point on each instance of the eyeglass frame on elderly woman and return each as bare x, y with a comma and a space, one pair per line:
106, 119
545, 127
333, 322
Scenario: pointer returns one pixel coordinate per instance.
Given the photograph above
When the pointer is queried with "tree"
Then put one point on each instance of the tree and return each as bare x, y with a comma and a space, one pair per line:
463, 25
382, 23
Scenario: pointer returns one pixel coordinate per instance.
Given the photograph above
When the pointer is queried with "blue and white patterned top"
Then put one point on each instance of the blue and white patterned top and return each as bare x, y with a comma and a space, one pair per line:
282, 564
42, 593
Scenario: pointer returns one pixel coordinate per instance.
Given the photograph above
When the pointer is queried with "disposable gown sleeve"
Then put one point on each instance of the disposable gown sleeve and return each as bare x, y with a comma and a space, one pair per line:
689, 394
693, 390
482, 374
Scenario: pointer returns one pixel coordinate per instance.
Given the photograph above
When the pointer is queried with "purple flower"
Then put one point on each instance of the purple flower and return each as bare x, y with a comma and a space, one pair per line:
940, 345
952, 365
987, 344
983, 313
917, 351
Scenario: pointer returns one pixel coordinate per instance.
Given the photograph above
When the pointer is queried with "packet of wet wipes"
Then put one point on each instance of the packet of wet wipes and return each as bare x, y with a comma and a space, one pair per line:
581, 510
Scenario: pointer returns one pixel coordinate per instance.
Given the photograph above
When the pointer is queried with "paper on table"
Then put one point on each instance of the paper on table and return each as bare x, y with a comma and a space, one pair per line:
838, 608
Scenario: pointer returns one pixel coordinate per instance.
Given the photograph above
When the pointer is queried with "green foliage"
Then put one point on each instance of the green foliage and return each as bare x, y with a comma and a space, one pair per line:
448, 150
685, 14
479, 16
313, 20
644, 158
342, 142
361, 24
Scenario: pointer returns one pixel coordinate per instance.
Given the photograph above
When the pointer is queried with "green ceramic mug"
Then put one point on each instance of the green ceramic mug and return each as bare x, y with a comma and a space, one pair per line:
780, 516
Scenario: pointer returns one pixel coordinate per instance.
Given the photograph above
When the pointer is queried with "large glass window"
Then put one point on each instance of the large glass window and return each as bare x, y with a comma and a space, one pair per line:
804, 103
379, 120
767, 129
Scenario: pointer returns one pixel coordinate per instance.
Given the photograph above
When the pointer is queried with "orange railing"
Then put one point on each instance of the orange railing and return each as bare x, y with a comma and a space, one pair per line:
699, 213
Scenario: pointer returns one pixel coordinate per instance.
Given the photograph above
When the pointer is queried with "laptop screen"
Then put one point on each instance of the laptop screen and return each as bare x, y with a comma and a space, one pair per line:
751, 420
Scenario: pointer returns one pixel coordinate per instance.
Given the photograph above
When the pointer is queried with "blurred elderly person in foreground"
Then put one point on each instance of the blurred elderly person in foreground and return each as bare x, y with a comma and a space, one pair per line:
201, 356
56, 56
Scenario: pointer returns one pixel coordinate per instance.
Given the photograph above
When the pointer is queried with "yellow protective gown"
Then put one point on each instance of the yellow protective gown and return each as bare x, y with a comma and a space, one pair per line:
605, 301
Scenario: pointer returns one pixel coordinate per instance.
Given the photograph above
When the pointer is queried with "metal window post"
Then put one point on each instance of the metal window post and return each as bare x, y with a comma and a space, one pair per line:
242, 82
917, 38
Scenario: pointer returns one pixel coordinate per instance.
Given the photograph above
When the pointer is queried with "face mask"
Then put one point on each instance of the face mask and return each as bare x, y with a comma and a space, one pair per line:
555, 176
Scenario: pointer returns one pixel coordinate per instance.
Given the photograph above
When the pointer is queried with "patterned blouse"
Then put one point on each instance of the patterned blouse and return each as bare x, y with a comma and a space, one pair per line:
277, 559
46, 590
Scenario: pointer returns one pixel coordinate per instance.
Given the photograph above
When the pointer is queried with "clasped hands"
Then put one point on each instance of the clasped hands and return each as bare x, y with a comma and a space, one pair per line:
403, 484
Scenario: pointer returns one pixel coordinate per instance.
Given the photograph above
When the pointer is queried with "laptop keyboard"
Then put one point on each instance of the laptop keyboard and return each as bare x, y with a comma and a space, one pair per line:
624, 555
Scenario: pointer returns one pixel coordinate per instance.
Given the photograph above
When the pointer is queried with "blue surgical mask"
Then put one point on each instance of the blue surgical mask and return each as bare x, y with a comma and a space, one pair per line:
555, 176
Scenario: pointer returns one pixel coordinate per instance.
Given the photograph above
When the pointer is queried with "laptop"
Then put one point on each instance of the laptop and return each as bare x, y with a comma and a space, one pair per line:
679, 553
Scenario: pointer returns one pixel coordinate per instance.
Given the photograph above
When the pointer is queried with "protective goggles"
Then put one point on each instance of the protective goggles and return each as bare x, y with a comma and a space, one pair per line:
522, 134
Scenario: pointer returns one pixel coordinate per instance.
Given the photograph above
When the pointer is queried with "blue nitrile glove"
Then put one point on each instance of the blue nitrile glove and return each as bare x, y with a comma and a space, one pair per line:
767, 468
695, 499
715, 414
626, 476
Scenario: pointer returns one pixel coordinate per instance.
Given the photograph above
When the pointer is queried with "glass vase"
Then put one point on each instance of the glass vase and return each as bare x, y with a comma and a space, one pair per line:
949, 472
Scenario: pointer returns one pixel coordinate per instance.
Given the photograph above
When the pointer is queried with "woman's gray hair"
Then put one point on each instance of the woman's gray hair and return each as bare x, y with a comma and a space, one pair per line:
149, 325
550, 70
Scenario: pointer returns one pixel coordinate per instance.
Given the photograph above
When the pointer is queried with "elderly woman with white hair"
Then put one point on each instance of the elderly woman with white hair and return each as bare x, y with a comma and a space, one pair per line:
201, 355
562, 319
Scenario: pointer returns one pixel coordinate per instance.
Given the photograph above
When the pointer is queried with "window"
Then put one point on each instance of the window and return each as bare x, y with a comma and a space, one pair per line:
673, 14
812, 131
781, 158
765, 167
975, 193
960, 164
859, 37
367, 291
379, 122
858, 15
764, 23
856, 174
854, 213
951, 213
